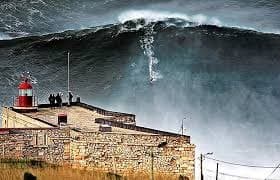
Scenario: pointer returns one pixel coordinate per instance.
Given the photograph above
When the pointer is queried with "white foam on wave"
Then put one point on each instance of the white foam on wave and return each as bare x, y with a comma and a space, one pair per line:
4, 36
148, 39
38, 2
147, 45
153, 15
197, 19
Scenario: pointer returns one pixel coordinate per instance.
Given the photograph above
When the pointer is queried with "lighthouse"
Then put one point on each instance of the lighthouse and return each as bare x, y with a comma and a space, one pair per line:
25, 100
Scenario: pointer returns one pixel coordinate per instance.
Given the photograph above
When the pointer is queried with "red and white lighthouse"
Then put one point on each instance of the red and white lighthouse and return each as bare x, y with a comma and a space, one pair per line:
25, 94
25, 99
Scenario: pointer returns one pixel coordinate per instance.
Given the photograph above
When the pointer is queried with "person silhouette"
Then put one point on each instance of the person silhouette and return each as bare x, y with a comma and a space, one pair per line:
50, 99
70, 97
58, 100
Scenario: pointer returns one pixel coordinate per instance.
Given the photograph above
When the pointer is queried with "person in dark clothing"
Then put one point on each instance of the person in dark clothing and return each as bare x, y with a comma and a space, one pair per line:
70, 96
50, 99
58, 100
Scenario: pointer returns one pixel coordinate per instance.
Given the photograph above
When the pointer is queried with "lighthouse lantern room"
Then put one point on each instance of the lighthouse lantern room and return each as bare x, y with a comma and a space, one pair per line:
25, 98
25, 94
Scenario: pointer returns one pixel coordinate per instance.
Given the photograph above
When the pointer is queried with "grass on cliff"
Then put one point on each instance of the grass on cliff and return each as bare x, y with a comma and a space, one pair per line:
65, 173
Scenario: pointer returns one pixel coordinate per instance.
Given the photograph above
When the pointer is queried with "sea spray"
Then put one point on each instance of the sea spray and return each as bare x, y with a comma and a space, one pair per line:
147, 45
154, 16
4, 36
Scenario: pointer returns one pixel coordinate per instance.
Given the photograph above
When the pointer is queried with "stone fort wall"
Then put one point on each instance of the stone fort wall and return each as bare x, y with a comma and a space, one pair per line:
126, 152
48, 144
119, 153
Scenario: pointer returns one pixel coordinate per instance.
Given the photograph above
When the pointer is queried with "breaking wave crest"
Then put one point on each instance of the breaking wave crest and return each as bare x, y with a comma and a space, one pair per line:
133, 16
4, 36
144, 30
153, 16
197, 19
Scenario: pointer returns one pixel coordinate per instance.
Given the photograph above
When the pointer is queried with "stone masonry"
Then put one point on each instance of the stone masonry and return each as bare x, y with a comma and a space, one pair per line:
124, 149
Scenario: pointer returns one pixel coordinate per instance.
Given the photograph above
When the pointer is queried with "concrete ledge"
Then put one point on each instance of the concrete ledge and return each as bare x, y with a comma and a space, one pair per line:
139, 128
122, 117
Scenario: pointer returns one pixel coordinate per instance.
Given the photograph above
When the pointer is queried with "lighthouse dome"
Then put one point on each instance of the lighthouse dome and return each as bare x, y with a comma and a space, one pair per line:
25, 85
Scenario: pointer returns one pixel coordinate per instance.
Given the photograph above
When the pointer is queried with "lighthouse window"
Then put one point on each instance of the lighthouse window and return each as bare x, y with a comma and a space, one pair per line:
29, 92
25, 92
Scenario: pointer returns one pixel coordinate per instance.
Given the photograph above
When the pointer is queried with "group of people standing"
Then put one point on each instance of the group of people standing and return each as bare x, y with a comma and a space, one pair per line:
56, 101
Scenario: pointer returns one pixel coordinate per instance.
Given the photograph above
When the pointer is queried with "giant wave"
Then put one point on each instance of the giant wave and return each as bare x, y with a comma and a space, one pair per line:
225, 79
